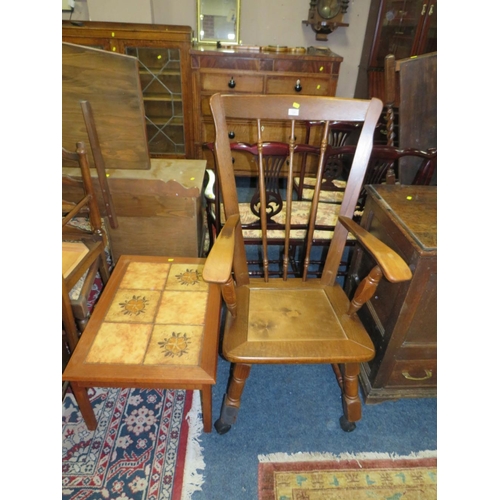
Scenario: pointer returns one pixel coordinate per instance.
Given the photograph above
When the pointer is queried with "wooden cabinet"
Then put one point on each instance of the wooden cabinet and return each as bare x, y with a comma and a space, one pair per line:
403, 28
401, 318
256, 72
164, 67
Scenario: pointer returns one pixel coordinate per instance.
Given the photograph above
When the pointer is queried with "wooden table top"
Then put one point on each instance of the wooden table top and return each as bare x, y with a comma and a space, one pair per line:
414, 208
150, 323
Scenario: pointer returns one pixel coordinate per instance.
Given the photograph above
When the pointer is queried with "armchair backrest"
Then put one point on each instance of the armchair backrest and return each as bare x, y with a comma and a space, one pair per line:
287, 109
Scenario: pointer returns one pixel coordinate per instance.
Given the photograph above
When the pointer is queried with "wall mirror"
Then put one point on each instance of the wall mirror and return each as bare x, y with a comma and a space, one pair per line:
218, 21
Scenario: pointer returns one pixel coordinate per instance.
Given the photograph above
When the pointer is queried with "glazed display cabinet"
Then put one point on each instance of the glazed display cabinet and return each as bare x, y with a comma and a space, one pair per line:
164, 67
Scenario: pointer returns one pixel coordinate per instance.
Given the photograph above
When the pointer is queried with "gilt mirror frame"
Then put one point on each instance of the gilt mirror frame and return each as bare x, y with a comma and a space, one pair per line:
224, 25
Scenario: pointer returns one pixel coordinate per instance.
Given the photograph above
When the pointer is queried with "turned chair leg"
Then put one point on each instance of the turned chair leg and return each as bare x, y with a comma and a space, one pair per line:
351, 401
232, 400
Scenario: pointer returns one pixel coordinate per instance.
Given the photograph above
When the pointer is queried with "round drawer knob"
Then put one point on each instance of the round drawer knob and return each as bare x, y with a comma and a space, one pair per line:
298, 86
231, 135
231, 84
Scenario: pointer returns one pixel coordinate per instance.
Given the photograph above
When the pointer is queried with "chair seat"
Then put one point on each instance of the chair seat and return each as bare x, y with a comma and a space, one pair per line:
325, 195
73, 252
327, 216
294, 321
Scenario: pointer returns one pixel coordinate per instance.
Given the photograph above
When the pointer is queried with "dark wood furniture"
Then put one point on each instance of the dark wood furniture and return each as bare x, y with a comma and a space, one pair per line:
403, 28
401, 319
162, 56
293, 320
384, 166
156, 326
236, 71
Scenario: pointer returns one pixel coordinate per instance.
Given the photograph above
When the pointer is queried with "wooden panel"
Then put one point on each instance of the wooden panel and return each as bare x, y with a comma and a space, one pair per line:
218, 82
228, 63
159, 211
417, 108
305, 66
110, 82
286, 85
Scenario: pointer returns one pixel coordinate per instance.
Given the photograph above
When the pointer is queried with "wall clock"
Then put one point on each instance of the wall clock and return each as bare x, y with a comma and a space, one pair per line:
326, 15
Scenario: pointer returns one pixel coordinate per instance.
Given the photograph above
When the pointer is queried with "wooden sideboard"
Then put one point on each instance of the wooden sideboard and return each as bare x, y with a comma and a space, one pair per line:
255, 72
401, 318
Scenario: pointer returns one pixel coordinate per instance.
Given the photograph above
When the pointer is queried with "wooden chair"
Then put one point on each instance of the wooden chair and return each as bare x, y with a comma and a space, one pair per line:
339, 134
83, 250
294, 320
275, 158
383, 167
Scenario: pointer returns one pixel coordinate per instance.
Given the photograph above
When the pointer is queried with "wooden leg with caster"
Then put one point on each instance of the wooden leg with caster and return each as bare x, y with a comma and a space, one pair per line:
232, 399
350, 397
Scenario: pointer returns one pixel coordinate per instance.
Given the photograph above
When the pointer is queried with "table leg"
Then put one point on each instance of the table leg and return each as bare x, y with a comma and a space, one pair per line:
206, 407
82, 398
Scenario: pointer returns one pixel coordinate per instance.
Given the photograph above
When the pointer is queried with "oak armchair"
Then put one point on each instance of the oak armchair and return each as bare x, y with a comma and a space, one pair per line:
300, 319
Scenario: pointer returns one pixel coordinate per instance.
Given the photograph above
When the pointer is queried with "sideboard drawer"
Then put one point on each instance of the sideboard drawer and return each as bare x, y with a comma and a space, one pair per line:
219, 82
303, 66
287, 85
415, 373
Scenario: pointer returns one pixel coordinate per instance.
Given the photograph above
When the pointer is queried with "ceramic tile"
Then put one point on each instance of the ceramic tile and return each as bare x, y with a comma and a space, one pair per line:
133, 306
182, 307
120, 343
175, 345
145, 275
186, 277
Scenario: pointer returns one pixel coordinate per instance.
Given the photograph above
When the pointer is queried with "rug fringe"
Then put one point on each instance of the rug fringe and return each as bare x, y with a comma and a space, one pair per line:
193, 480
308, 456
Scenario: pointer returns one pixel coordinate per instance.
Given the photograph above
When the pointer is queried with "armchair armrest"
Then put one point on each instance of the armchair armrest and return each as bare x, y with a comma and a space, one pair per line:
392, 265
219, 263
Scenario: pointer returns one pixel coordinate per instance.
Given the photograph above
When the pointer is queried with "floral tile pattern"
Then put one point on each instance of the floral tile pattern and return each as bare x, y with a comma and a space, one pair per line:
157, 316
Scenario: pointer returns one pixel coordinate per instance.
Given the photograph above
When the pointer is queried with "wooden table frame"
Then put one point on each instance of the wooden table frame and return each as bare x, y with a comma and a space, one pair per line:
82, 374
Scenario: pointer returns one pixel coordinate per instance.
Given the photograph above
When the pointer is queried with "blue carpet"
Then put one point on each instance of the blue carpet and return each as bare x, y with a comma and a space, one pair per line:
291, 409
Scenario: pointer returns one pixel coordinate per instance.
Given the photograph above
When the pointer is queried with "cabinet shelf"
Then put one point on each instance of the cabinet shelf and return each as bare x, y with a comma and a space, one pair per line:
175, 121
162, 97
162, 72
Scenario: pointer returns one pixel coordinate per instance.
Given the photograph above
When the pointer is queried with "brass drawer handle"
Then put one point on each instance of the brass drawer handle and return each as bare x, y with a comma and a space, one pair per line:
231, 84
428, 374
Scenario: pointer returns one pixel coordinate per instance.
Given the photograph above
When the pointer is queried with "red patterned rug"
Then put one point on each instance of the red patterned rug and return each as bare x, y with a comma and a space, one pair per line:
348, 477
145, 446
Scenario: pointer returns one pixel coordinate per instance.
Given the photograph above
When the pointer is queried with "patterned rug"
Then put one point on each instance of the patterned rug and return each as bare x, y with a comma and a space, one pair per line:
145, 446
370, 476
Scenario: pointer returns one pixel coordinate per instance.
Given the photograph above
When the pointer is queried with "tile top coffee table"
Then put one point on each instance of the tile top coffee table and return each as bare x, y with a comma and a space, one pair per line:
155, 326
